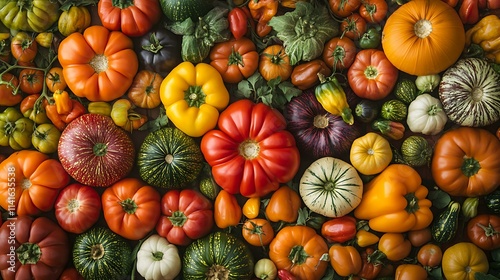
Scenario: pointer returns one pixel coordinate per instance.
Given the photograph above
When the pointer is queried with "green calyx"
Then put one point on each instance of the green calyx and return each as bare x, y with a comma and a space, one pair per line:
28, 253
178, 218
122, 4
100, 149
412, 203
298, 255
194, 96
129, 206
470, 166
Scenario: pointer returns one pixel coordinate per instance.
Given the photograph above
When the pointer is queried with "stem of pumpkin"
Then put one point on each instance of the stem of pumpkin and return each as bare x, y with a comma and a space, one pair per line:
470, 166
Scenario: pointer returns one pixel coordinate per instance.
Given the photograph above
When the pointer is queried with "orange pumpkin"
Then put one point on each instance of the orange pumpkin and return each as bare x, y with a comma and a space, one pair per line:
299, 249
99, 64
423, 37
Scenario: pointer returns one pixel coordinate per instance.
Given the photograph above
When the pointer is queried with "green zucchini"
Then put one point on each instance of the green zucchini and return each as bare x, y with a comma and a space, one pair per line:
444, 228
406, 90
169, 158
492, 201
416, 151
100, 254
394, 110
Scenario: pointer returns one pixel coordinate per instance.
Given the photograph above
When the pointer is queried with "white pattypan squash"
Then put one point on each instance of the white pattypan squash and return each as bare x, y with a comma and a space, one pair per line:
426, 115
158, 259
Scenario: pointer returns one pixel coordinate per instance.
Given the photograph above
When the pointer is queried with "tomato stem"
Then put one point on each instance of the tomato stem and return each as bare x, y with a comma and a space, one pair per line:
178, 218
489, 230
298, 255
28, 253
129, 205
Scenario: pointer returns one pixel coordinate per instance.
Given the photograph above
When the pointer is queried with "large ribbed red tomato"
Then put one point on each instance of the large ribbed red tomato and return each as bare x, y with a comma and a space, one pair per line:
96, 152
251, 152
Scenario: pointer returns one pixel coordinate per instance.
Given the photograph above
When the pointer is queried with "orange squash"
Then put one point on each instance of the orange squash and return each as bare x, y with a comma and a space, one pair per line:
423, 37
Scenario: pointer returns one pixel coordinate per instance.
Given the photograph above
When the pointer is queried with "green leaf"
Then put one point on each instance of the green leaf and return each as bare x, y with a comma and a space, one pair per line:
289, 90
267, 99
436, 273
439, 198
303, 216
245, 88
186, 27
330, 274
495, 255
484, 276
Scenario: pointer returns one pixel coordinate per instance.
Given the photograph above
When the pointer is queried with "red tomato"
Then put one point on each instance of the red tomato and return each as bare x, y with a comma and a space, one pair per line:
8, 95
343, 8
77, 207
484, 231
133, 20
23, 47
186, 215
258, 232
71, 273
31, 80
373, 11
372, 76
339, 229
251, 153
339, 53
353, 26
369, 269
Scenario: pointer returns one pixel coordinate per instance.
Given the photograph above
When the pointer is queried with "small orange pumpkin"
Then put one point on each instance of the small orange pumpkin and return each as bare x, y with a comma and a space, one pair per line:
423, 37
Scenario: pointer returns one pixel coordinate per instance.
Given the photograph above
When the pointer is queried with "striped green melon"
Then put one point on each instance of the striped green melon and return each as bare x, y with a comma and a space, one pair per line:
101, 254
179, 10
470, 93
169, 158
331, 187
416, 151
217, 254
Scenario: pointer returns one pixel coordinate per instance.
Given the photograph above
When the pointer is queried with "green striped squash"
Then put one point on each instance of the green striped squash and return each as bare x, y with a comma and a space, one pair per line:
331, 187
101, 254
169, 158
444, 227
218, 253
179, 10
416, 151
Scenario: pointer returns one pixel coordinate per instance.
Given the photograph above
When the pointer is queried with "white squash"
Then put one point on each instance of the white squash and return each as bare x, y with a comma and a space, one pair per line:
426, 115
470, 93
157, 259
331, 187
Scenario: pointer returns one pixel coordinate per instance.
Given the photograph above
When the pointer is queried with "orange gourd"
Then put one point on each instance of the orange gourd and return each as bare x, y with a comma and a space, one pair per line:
423, 37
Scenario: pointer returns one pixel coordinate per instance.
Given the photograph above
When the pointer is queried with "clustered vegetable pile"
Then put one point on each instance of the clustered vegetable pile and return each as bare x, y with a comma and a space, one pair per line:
257, 139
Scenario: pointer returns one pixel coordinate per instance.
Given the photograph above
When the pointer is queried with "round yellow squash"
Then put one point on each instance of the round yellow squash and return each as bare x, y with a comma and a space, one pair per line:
423, 37
370, 153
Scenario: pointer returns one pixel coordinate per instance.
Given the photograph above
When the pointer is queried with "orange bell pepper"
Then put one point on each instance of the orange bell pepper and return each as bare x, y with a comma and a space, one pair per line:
395, 201
61, 120
284, 205
227, 211
262, 11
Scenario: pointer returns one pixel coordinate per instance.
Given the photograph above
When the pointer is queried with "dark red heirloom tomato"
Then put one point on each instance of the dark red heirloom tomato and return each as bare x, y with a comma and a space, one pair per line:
40, 249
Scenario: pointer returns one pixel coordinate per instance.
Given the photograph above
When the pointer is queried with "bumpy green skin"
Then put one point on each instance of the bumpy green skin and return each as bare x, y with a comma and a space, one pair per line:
168, 158
394, 110
416, 151
406, 90
115, 263
492, 201
444, 228
220, 249
179, 10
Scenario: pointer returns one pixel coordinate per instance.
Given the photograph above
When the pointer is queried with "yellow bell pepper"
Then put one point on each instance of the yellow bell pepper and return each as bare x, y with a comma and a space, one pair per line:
486, 33
193, 96
251, 207
395, 201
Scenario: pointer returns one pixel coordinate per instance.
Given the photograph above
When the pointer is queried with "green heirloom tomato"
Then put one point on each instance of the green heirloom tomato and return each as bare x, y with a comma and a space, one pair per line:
15, 130
45, 138
29, 15
370, 39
